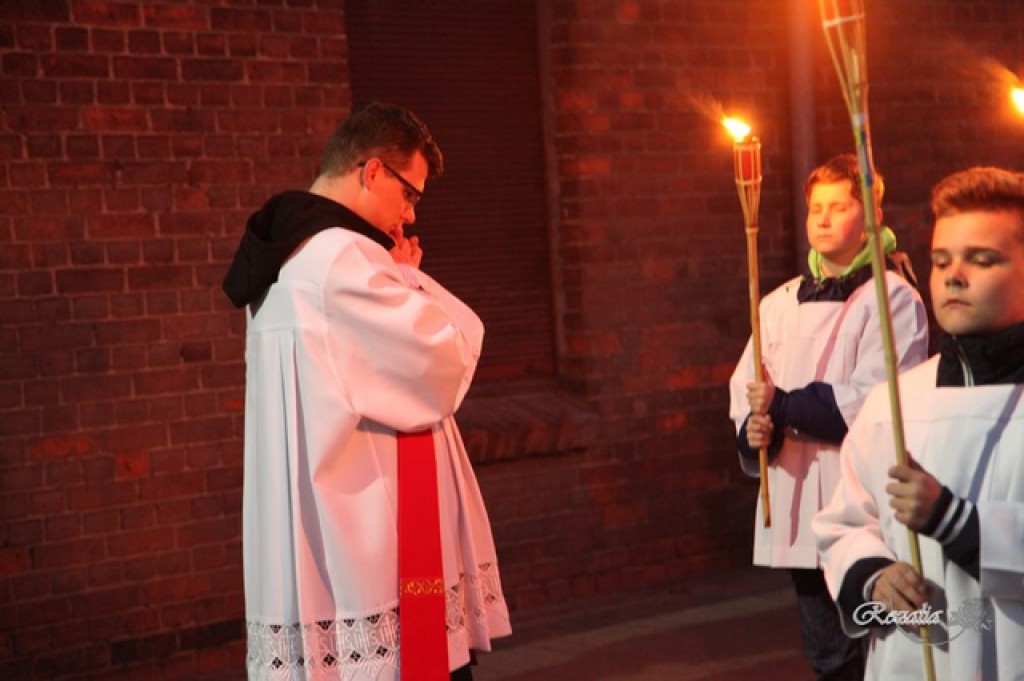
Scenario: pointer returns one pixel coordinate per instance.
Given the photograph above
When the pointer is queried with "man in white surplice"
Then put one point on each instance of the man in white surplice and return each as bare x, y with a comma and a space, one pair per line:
348, 343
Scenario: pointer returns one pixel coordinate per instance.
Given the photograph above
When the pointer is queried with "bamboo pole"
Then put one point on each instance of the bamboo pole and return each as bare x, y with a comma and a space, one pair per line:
747, 165
845, 36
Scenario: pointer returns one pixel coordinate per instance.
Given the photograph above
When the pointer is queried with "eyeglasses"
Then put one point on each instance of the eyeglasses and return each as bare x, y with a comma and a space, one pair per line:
410, 193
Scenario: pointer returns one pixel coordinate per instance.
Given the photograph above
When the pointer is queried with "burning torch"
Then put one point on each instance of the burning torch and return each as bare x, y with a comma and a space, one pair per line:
843, 21
746, 152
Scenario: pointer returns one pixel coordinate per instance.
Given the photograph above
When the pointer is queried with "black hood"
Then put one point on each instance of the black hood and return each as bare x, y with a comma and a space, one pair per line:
274, 232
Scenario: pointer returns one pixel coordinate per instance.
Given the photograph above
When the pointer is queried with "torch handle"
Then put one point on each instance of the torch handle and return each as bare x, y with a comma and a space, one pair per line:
847, 46
753, 278
873, 230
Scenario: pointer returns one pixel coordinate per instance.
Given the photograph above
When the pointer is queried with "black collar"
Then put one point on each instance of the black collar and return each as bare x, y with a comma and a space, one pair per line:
994, 358
832, 289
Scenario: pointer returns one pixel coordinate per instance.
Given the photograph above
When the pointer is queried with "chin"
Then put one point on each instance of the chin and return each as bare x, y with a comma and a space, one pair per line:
965, 329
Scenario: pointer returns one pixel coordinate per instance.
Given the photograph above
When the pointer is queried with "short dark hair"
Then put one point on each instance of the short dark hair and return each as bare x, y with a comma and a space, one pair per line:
986, 189
386, 131
839, 168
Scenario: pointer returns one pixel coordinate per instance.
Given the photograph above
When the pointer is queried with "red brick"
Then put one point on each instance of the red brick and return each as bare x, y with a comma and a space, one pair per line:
155, 172
65, 554
144, 42
139, 68
106, 14
243, 45
63, 528
13, 561
96, 496
177, 17
71, 39
16, 64
27, 175
81, 173
88, 280
287, 22
197, 430
75, 66
220, 70
117, 599
199, 326
189, 223
15, 257
39, 92
132, 464
233, 20
104, 521
251, 121
142, 94
178, 42
134, 542
211, 44
107, 40
157, 199
121, 225
113, 93
326, 23
168, 381
42, 11
95, 415
159, 277
214, 531
115, 118
92, 388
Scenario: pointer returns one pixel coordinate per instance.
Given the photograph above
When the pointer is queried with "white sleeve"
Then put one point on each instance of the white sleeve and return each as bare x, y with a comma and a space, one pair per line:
910, 336
404, 348
848, 528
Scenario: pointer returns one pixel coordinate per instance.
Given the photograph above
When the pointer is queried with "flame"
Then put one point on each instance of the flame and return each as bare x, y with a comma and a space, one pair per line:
737, 128
1017, 94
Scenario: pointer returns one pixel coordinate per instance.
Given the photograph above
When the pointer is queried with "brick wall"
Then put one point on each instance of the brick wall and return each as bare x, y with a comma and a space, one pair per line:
136, 137
651, 261
651, 254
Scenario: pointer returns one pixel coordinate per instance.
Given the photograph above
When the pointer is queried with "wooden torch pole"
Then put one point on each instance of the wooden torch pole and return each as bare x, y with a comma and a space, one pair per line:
844, 32
747, 165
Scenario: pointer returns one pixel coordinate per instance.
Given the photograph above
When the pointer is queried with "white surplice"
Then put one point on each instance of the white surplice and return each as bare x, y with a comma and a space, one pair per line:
834, 342
972, 440
344, 350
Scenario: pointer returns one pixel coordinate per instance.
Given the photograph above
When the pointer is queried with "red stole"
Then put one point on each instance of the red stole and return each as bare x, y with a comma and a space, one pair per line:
423, 642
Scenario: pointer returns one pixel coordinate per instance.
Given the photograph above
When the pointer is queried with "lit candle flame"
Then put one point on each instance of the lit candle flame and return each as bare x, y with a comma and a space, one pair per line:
1017, 94
737, 128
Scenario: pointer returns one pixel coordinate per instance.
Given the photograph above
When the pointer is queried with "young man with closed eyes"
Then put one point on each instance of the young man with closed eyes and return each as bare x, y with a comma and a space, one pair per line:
822, 353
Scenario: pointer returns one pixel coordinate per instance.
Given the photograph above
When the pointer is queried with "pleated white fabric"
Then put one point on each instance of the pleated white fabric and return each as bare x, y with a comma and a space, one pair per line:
972, 441
343, 351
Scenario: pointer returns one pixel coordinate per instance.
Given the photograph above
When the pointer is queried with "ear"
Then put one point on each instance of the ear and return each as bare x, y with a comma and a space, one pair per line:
368, 173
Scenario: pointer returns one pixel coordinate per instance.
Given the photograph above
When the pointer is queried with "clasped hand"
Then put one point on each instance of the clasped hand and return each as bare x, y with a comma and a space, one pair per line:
900, 587
759, 424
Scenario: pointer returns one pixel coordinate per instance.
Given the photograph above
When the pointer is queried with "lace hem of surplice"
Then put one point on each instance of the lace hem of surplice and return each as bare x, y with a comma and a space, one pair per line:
361, 646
